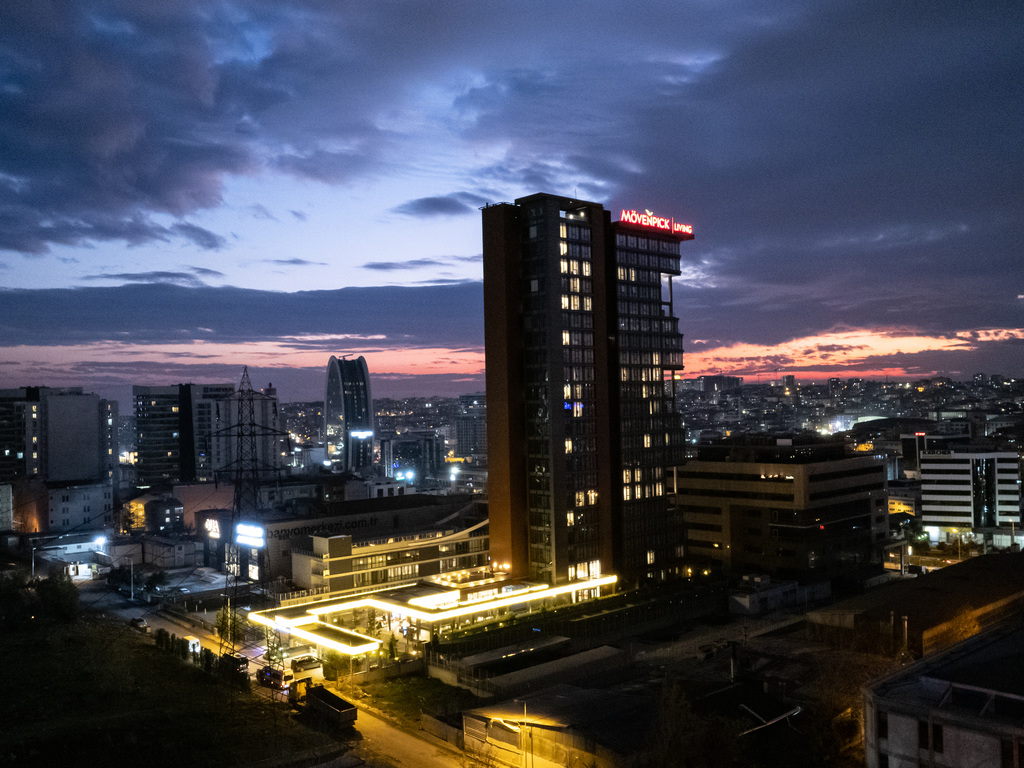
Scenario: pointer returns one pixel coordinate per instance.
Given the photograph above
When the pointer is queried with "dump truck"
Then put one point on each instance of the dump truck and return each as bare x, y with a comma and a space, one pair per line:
329, 706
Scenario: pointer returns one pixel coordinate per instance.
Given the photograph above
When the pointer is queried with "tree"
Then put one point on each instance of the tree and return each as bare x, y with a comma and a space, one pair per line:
59, 596
334, 664
155, 580
230, 627
683, 739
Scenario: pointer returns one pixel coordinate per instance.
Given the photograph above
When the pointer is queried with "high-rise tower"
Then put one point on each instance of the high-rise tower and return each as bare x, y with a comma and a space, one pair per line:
581, 345
348, 415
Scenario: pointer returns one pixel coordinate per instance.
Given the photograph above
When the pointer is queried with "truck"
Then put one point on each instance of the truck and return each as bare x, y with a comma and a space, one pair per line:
329, 706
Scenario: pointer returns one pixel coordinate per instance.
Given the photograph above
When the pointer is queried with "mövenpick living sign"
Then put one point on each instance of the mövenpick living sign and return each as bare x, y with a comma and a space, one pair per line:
660, 223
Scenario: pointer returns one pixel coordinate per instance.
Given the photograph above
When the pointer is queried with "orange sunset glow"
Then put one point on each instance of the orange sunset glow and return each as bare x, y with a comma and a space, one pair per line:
860, 352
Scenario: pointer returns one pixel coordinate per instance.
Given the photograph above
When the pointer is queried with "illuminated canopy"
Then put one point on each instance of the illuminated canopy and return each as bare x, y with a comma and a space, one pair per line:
420, 601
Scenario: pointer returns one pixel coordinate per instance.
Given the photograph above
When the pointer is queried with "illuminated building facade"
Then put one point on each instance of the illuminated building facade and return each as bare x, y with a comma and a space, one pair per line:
348, 415
582, 344
966, 492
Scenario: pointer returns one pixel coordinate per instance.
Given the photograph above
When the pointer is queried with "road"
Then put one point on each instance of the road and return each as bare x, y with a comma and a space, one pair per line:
385, 746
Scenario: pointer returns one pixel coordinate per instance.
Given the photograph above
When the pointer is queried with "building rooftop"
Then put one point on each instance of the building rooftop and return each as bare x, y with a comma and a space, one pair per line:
981, 678
939, 596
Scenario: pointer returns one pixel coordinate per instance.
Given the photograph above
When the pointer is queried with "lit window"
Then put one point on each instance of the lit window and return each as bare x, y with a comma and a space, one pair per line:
579, 498
568, 445
647, 441
570, 518
572, 573
563, 266
587, 304
627, 492
565, 301
565, 338
627, 475
586, 269
574, 302
591, 497
650, 557
563, 248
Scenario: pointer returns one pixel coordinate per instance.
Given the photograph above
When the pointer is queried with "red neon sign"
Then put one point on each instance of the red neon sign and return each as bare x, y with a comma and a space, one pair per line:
651, 221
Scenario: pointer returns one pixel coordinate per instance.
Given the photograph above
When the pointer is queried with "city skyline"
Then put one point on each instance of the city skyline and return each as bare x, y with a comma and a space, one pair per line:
192, 188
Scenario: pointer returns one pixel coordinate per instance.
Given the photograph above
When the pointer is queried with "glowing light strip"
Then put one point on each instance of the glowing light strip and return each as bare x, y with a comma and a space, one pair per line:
373, 645
466, 608
294, 629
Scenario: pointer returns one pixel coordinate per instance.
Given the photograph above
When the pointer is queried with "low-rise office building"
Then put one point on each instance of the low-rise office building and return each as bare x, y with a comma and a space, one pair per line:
803, 511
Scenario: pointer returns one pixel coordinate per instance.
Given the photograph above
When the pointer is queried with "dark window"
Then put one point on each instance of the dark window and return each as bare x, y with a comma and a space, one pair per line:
922, 734
883, 760
882, 725
937, 738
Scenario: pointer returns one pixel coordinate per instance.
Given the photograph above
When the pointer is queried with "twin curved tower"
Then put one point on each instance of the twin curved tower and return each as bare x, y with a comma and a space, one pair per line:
348, 415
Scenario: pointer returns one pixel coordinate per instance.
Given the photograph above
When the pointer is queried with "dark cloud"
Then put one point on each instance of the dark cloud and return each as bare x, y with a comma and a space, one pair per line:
457, 204
296, 262
163, 311
204, 238
190, 278
391, 266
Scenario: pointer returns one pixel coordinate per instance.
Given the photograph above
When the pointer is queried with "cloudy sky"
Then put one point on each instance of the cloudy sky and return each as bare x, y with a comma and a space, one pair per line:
187, 187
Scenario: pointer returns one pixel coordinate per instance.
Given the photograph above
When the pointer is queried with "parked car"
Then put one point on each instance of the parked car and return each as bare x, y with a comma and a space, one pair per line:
235, 661
275, 678
305, 664
140, 624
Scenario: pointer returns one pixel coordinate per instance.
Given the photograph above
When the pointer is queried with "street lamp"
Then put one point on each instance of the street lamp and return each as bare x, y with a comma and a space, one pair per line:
522, 733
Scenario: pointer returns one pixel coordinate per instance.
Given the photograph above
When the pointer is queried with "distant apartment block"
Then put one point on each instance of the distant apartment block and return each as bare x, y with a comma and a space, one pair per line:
967, 492
57, 435
471, 427
791, 511
415, 456
189, 432
267, 433
58, 459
